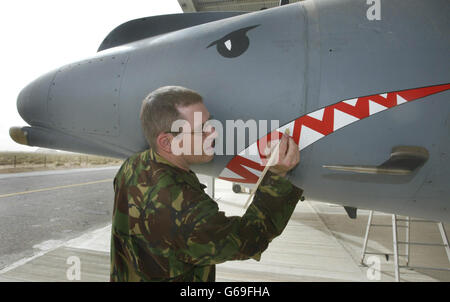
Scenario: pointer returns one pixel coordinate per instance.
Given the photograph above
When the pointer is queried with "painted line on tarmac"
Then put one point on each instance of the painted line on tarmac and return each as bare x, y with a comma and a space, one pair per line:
57, 188
55, 172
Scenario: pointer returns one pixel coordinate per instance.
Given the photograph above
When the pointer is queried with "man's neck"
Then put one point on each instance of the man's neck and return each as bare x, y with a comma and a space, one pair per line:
177, 161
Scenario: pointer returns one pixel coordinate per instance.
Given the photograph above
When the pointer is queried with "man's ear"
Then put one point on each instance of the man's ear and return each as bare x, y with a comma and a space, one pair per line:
164, 141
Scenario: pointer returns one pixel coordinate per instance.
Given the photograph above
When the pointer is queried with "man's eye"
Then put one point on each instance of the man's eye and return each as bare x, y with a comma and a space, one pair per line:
234, 44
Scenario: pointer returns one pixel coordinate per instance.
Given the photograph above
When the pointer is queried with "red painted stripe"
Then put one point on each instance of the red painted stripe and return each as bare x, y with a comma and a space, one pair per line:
324, 126
360, 110
238, 164
413, 94
389, 102
297, 130
262, 142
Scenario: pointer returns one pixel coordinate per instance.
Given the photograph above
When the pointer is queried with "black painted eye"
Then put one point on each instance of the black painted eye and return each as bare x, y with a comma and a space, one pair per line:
234, 44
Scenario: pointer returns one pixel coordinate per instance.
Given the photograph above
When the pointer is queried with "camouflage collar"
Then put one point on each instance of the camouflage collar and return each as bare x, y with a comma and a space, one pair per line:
187, 176
159, 159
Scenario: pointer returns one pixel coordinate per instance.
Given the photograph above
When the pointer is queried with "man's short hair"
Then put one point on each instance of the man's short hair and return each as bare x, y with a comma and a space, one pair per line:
159, 110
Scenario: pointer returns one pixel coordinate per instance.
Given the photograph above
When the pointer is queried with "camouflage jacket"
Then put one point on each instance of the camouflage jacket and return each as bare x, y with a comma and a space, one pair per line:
166, 228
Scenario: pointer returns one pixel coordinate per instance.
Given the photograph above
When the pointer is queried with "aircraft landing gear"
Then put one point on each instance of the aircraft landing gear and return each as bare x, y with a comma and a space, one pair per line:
237, 188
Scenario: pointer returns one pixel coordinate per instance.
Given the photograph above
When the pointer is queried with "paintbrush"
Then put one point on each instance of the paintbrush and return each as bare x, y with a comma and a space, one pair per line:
270, 162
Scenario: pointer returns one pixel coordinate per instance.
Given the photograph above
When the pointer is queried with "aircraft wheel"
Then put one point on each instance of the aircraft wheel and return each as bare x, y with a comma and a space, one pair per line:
237, 188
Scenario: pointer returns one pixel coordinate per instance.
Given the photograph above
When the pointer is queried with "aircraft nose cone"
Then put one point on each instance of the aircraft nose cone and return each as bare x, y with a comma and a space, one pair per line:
32, 100
24, 104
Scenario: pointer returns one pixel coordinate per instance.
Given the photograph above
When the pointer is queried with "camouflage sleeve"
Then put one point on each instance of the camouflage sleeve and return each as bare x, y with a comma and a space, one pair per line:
209, 237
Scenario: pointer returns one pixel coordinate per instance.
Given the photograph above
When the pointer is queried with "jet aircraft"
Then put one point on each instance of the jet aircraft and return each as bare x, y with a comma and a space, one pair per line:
366, 100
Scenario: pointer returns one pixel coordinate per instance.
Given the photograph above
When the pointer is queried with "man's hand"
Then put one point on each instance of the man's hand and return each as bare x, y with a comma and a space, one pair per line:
288, 156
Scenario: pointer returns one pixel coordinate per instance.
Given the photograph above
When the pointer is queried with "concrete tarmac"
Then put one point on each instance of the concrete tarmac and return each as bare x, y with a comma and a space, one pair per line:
51, 206
319, 244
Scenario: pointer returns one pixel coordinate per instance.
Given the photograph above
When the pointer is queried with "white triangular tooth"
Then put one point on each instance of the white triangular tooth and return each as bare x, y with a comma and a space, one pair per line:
342, 119
289, 126
318, 115
308, 136
230, 174
248, 151
253, 150
375, 108
351, 102
401, 100
384, 95
252, 153
255, 172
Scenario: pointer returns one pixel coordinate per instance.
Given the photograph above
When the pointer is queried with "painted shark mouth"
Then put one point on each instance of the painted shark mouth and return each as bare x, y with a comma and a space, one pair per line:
246, 167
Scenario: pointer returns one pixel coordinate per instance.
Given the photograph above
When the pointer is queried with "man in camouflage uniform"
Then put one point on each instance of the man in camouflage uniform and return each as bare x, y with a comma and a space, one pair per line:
165, 227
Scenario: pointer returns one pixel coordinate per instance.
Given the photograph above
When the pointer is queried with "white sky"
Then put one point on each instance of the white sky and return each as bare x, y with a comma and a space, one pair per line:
38, 36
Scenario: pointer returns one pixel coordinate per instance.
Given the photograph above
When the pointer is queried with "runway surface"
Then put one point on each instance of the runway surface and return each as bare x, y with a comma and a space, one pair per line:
47, 219
51, 206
